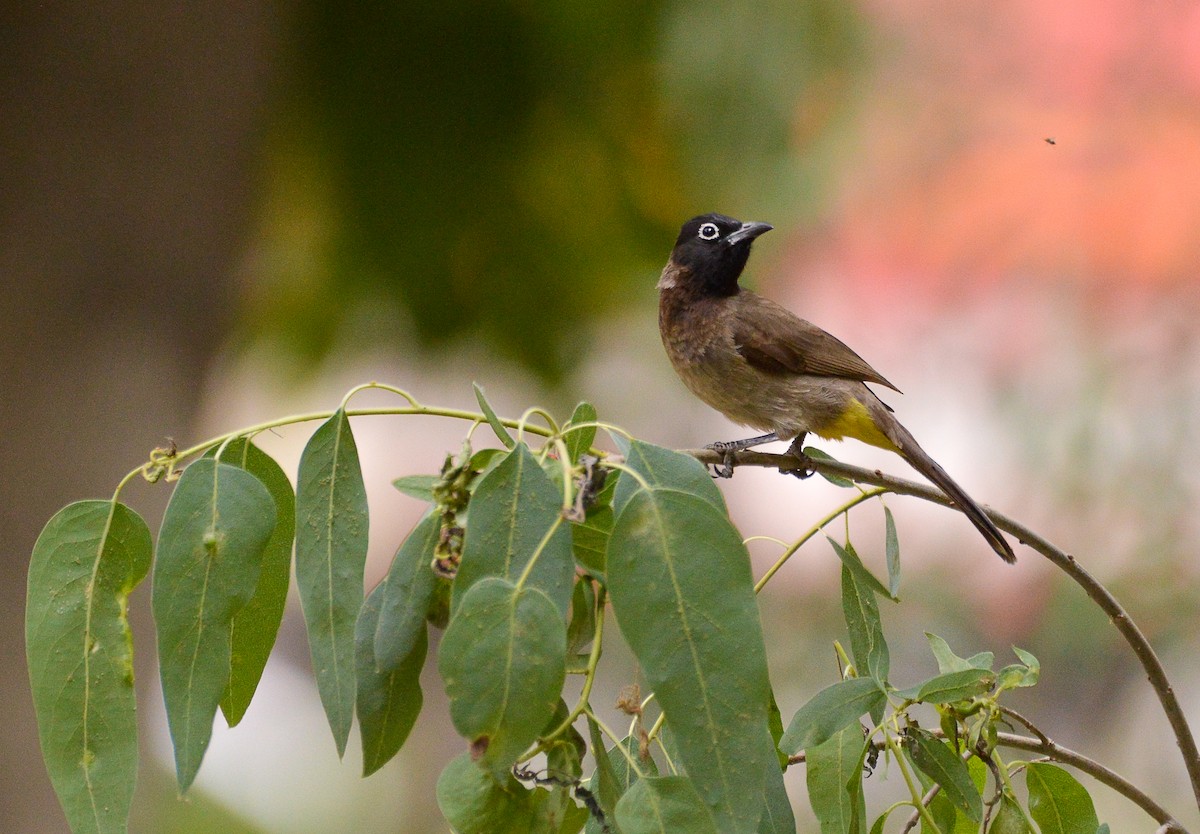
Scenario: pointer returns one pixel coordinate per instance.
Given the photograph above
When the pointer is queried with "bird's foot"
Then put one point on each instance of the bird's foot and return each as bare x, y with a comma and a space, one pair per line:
728, 450
804, 469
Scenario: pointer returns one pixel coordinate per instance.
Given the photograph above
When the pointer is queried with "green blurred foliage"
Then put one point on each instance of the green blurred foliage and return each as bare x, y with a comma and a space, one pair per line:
514, 169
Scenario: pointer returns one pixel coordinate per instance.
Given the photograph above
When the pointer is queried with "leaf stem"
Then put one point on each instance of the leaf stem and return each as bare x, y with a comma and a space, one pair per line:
917, 799
820, 525
588, 680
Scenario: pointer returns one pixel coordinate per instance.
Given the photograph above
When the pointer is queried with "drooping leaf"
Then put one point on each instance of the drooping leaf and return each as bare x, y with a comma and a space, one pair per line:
867, 644
87, 560
979, 775
493, 420
516, 513
1057, 802
948, 661
604, 784
579, 440
833, 771
331, 552
388, 695
210, 550
664, 805
831, 710
503, 661
1009, 819
679, 577
256, 626
582, 627
475, 802
661, 467
891, 541
943, 766
852, 561
418, 486
405, 594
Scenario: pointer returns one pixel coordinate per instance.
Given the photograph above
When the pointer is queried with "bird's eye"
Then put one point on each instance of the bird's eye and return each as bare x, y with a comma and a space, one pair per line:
709, 231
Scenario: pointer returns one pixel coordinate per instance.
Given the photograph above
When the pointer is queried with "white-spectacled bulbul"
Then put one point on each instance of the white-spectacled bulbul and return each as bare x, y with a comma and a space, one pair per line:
763, 367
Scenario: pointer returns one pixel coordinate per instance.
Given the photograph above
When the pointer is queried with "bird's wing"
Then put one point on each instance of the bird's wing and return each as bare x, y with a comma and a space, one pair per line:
777, 342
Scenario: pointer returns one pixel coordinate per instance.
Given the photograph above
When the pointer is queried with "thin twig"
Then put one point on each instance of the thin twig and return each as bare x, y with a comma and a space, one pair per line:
916, 814
1133, 635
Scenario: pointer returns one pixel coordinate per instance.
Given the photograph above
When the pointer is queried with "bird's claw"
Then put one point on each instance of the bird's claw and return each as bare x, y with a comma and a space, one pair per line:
805, 468
725, 468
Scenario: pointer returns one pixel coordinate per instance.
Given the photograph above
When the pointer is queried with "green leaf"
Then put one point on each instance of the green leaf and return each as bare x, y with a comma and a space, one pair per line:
979, 774
664, 805
623, 776
944, 816
948, 661
503, 661
256, 626
864, 577
941, 764
406, 594
698, 639
951, 686
1057, 802
830, 711
777, 816
516, 512
604, 784
493, 421
1009, 819
87, 560
891, 544
418, 486
578, 441
210, 550
474, 802
661, 467
1022, 675
331, 551
582, 627
834, 776
861, 611
388, 695
590, 536
814, 453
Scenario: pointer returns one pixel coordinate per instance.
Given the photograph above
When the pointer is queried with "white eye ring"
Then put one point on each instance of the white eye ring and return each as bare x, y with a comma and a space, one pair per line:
709, 231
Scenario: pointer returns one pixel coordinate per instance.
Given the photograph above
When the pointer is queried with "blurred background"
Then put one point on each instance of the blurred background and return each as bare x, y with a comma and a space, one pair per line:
220, 214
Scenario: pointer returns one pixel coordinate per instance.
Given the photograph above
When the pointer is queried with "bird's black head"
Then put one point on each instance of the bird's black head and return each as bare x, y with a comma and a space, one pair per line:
714, 249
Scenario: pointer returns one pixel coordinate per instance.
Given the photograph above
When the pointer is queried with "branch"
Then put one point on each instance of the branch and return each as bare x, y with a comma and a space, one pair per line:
1098, 772
1133, 635
1080, 762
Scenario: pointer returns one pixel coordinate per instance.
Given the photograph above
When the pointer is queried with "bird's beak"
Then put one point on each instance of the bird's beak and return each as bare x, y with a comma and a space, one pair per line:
748, 231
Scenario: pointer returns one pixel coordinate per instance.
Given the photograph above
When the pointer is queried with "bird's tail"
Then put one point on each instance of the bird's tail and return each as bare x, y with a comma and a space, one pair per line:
927, 466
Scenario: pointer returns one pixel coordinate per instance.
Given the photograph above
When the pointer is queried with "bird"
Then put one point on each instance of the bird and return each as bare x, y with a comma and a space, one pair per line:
764, 367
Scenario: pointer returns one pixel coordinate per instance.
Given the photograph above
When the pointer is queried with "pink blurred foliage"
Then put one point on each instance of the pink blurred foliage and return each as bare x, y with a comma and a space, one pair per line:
951, 174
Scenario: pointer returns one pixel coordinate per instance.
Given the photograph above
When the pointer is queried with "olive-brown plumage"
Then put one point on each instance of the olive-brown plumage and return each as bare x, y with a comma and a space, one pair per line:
763, 367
